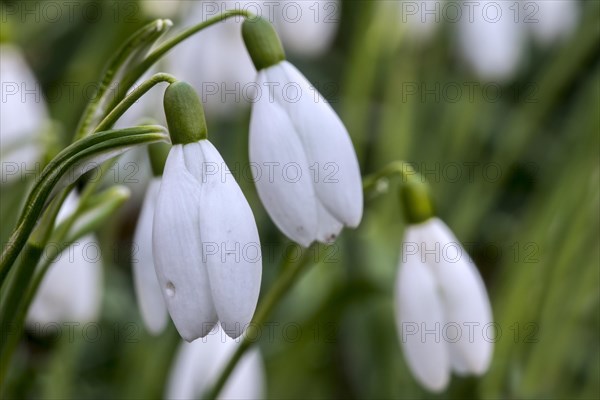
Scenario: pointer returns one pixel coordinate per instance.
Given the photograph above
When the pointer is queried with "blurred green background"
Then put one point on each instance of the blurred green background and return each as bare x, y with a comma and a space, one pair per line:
525, 204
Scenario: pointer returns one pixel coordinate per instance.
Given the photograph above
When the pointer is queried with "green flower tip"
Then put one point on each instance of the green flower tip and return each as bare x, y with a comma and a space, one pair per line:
416, 201
158, 153
262, 42
120, 193
185, 114
6, 32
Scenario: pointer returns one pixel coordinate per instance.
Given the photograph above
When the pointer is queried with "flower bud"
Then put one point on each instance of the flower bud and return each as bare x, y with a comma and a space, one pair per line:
262, 42
185, 115
416, 201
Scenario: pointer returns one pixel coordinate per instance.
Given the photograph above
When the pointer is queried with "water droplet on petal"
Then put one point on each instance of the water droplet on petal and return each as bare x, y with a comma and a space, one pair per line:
170, 289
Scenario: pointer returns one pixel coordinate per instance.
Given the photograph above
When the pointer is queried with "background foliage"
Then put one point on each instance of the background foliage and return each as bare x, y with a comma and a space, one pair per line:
525, 204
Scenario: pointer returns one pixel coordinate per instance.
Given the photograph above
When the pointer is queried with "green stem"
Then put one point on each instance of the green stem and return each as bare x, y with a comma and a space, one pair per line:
139, 41
9, 331
290, 272
23, 289
396, 168
82, 149
129, 100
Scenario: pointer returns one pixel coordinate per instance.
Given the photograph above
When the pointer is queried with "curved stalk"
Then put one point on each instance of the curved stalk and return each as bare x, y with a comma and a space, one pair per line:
83, 149
140, 40
128, 101
396, 168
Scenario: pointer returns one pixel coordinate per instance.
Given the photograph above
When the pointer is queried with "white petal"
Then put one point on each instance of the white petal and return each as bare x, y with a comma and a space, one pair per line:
307, 28
326, 141
465, 301
491, 40
247, 381
329, 228
419, 319
198, 364
71, 289
148, 292
556, 19
23, 110
177, 250
283, 179
230, 245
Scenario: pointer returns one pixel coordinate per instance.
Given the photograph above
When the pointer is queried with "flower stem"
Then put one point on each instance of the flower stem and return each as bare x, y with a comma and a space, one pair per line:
291, 270
137, 44
28, 278
396, 168
13, 309
129, 100
95, 145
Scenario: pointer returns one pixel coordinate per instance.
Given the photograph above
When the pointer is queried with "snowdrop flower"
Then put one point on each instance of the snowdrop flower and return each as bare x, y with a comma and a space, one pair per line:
148, 293
197, 365
314, 187
443, 310
23, 111
307, 28
206, 247
555, 20
71, 288
490, 40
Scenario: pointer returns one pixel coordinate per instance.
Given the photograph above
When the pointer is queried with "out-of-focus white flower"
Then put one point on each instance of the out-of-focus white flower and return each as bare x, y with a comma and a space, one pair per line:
491, 40
149, 295
206, 245
316, 187
71, 290
554, 20
23, 111
198, 364
157, 8
214, 61
443, 310
307, 28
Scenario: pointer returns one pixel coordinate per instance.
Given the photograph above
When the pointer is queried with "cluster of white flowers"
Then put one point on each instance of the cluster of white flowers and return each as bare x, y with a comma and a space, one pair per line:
193, 208
492, 34
189, 208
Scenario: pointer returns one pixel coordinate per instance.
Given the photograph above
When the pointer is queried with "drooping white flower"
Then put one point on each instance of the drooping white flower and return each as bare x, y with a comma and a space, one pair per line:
206, 245
553, 20
71, 290
198, 364
148, 292
316, 187
491, 40
443, 311
309, 179
23, 111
